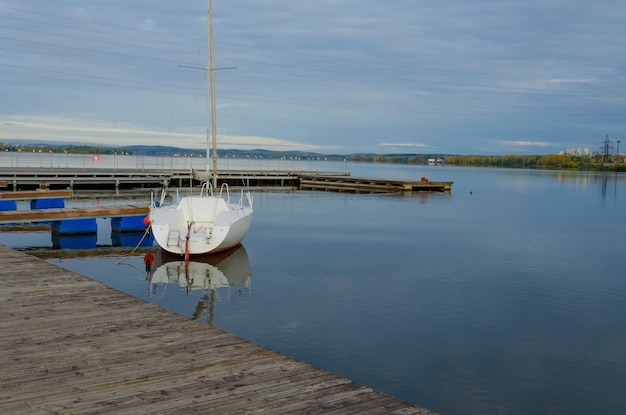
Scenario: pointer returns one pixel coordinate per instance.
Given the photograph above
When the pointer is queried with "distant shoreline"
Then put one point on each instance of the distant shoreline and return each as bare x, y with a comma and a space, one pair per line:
614, 162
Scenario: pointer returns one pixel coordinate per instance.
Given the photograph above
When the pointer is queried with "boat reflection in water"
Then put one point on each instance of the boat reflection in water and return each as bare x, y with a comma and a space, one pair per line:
218, 276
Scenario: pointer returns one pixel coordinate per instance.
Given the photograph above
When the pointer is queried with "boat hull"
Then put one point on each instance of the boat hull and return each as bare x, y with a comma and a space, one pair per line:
200, 225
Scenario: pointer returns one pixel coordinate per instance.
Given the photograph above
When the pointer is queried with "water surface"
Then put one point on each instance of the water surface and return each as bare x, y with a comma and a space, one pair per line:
505, 296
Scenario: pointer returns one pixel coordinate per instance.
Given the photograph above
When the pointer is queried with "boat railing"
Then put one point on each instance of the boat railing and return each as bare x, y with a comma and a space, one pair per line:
155, 203
248, 198
223, 187
207, 189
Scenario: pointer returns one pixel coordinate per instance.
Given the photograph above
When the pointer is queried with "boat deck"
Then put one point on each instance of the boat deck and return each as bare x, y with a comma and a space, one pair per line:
72, 345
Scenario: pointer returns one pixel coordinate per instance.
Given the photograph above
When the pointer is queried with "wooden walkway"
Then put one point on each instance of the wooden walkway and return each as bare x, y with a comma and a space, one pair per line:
62, 178
70, 345
28, 178
35, 194
42, 215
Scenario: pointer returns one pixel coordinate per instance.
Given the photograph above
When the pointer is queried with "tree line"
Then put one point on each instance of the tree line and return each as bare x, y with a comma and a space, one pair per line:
552, 161
67, 149
548, 161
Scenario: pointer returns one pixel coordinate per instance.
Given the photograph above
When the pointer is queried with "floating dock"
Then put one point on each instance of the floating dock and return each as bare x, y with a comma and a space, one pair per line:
54, 214
35, 194
72, 345
370, 185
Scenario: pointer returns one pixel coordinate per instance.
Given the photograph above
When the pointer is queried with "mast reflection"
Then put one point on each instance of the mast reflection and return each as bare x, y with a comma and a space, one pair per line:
225, 273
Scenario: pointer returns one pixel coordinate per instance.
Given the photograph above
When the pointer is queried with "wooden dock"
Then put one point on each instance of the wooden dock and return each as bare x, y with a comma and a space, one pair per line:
106, 178
28, 178
71, 345
35, 194
370, 185
44, 215
71, 178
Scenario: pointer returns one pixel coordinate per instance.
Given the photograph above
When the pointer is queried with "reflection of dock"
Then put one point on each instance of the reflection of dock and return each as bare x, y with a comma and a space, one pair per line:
73, 345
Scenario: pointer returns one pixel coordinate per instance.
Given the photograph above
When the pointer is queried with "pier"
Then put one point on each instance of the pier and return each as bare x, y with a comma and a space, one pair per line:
72, 345
110, 178
107, 178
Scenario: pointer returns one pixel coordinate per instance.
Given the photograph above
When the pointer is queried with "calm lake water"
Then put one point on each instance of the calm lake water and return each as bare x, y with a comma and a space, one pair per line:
506, 296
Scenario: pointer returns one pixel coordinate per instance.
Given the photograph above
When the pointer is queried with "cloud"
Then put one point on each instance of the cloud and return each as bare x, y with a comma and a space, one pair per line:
571, 81
418, 145
527, 144
322, 75
72, 130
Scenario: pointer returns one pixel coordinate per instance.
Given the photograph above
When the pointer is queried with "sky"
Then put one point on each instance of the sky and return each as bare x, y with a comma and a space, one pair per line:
330, 76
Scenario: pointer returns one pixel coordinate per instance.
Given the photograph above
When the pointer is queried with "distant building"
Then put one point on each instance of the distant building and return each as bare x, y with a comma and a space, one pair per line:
576, 152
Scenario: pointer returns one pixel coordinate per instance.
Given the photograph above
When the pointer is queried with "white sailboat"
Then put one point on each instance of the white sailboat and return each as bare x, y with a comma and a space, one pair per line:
208, 221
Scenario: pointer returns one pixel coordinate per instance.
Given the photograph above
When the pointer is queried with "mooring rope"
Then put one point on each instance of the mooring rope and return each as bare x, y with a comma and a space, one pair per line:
138, 244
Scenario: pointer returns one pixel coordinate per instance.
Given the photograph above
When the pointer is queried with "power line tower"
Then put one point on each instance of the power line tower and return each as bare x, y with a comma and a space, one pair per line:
606, 147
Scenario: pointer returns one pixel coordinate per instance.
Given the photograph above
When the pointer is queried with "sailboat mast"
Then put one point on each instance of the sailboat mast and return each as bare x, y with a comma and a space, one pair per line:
211, 101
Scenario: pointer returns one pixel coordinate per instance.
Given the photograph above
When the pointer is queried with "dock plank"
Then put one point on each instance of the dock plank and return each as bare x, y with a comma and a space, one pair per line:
35, 194
369, 185
39, 215
73, 345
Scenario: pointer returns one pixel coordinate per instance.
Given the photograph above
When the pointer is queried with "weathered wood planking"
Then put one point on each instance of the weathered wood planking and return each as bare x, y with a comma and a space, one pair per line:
370, 185
35, 194
34, 215
70, 345
101, 178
